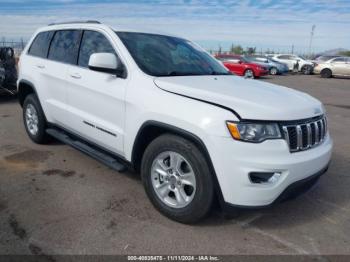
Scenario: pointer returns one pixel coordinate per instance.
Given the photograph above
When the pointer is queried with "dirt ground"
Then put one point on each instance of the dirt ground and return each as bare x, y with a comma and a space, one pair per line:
56, 200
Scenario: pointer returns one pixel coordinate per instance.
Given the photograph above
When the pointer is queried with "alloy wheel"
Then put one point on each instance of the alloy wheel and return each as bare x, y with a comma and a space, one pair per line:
173, 179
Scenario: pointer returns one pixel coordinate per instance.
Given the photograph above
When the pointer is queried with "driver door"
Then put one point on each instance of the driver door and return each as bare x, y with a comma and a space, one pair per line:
97, 99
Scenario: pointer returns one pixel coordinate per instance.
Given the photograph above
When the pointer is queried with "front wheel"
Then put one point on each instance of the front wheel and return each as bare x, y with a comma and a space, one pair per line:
326, 73
273, 71
306, 70
249, 73
177, 179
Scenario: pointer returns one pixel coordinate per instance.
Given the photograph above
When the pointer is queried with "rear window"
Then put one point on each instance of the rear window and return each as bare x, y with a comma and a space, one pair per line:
64, 46
40, 45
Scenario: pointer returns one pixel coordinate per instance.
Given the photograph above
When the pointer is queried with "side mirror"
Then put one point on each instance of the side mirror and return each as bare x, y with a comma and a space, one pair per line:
240, 62
104, 62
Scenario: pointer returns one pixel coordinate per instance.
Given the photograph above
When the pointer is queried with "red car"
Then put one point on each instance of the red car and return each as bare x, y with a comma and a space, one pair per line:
240, 66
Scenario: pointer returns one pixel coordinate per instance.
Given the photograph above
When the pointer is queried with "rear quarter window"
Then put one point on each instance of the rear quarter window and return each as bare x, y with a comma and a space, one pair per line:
64, 46
40, 45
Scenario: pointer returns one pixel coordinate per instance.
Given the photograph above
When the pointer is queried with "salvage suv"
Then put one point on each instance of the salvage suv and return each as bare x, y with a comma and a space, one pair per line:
164, 107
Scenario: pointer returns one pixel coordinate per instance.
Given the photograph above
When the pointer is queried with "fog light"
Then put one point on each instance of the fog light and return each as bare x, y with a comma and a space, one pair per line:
274, 178
264, 177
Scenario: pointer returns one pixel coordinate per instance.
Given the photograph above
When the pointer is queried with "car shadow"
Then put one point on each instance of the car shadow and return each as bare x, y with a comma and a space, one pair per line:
7, 98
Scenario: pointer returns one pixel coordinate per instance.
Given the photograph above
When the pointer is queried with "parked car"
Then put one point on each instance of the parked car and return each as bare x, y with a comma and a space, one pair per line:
8, 71
305, 66
324, 58
339, 66
164, 107
275, 68
241, 66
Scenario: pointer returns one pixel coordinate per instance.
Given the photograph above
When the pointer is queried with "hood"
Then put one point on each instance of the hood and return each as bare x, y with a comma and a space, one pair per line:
251, 99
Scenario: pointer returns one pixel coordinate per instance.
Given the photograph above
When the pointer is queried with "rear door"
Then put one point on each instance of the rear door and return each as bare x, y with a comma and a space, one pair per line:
96, 99
33, 68
288, 60
63, 51
338, 66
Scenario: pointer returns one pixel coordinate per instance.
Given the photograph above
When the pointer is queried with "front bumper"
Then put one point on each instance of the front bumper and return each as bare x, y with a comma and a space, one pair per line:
234, 160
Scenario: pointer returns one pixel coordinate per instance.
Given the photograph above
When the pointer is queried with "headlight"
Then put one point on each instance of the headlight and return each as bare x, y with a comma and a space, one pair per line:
254, 132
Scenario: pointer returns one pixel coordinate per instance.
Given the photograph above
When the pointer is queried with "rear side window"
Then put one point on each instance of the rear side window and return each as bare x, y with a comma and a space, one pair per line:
40, 45
284, 57
64, 46
339, 60
93, 42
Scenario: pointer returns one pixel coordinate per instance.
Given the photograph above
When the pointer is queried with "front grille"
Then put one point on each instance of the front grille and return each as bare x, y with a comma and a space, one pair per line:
303, 135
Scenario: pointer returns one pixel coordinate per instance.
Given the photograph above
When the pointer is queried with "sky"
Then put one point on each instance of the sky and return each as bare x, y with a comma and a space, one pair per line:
264, 24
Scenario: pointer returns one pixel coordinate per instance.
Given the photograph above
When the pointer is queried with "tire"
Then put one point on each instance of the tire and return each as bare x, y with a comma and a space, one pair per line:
326, 73
34, 120
306, 70
249, 74
200, 196
273, 71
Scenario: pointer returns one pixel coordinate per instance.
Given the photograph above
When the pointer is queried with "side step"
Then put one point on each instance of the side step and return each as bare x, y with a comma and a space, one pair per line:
87, 149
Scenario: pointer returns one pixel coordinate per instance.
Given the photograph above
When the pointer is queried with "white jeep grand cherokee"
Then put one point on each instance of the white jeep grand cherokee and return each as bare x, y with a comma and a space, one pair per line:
164, 107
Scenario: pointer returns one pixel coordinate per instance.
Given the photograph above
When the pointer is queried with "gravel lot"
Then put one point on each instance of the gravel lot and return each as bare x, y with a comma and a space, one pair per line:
56, 200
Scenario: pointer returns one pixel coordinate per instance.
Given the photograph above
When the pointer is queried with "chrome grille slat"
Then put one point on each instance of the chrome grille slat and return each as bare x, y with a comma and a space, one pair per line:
305, 135
317, 139
322, 130
309, 135
299, 138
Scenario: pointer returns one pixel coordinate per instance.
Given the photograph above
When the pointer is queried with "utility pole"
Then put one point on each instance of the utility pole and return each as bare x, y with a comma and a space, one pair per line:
292, 49
311, 37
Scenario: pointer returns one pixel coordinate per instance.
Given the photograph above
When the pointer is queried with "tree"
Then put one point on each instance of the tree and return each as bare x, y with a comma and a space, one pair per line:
250, 50
236, 49
344, 53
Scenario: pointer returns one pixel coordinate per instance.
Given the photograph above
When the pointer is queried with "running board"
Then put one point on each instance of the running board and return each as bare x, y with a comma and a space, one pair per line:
99, 155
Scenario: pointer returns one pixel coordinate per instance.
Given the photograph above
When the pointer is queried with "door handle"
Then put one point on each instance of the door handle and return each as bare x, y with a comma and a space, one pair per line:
75, 75
40, 66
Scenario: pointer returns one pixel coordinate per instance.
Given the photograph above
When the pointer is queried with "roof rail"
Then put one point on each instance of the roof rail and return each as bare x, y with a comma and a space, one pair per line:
77, 22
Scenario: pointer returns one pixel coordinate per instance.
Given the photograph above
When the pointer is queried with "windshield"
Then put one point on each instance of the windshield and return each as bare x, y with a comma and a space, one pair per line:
160, 55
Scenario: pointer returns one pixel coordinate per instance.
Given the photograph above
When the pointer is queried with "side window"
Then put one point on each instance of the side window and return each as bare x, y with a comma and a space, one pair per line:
93, 42
64, 46
338, 60
40, 45
284, 57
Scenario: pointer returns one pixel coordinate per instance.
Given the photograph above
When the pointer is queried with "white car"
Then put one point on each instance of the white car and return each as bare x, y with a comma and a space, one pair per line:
305, 66
166, 108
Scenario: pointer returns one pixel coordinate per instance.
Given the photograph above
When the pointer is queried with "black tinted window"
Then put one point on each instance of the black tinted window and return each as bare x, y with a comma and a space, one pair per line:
40, 45
64, 46
340, 59
285, 57
93, 42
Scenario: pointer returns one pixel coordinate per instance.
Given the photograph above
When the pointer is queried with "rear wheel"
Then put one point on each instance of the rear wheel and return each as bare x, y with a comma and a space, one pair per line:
34, 120
273, 71
326, 73
177, 179
248, 73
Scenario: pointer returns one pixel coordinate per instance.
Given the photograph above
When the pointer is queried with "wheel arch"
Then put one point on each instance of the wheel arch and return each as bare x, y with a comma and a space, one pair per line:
24, 89
150, 130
